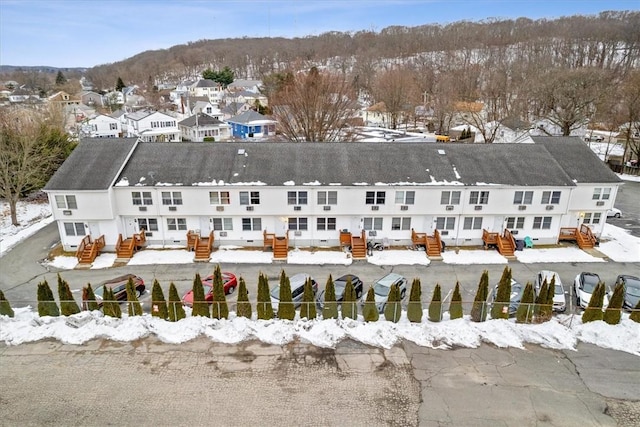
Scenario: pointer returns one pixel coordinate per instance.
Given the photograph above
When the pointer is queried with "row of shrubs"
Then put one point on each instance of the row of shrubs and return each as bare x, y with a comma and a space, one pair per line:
532, 308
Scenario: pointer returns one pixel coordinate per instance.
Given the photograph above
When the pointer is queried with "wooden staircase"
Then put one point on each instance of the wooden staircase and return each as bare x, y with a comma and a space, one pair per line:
432, 244
505, 243
126, 247
89, 249
201, 245
583, 236
278, 244
359, 246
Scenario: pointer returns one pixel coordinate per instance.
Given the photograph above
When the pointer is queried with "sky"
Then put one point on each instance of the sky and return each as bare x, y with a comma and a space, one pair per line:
86, 33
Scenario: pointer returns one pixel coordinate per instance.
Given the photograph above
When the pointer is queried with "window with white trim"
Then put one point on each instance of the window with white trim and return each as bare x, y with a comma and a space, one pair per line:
148, 224
550, 197
592, 218
375, 198
66, 202
515, 223
323, 224
401, 223
249, 197
601, 193
446, 223
327, 197
542, 222
372, 224
220, 224
450, 198
113, 126
405, 197
74, 229
175, 224
219, 198
298, 224
472, 223
171, 198
251, 224
523, 198
141, 198
296, 197
479, 198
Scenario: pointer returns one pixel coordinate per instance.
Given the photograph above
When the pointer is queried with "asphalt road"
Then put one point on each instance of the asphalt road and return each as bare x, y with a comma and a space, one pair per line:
628, 201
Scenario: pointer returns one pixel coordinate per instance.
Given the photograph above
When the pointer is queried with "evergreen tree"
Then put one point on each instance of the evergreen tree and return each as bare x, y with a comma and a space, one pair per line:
393, 309
349, 304
110, 306
635, 314
524, 314
220, 307
370, 311
89, 299
5, 306
264, 307
455, 308
612, 312
46, 303
594, 309
60, 80
68, 305
541, 300
548, 306
244, 306
308, 308
435, 307
176, 310
200, 305
120, 85
479, 309
330, 308
134, 308
286, 310
115, 305
500, 307
414, 310
158, 303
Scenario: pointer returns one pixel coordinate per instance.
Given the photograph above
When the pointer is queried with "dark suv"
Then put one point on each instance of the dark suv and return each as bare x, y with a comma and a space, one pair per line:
119, 286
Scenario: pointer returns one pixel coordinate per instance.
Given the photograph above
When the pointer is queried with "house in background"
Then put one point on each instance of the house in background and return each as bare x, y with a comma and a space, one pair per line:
232, 109
103, 126
152, 126
252, 124
63, 98
203, 127
242, 85
206, 107
91, 99
246, 97
209, 88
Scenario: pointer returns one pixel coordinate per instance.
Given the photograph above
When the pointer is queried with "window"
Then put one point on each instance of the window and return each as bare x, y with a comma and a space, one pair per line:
141, 198
405, 197
148, 224
450, 198
327, 197
372, 224
66, 202
540, 222
401, 223
472, 223
113, 126
298, 224
479, 198
375, 198
592, 218
222, 224
550, 197
297, 197
326, 224
251, 224
445, 223
515, 223
601, 193
74, 229
249, 197
219, 198
174, 224
171, 198
523, 198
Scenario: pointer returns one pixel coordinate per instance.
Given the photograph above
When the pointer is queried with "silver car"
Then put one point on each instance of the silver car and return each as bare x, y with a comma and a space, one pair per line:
297, 282
382, 287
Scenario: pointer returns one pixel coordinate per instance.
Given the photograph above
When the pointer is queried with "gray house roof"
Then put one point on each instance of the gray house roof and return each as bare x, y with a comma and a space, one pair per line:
203, 120
248, 117
93, 164
206, 83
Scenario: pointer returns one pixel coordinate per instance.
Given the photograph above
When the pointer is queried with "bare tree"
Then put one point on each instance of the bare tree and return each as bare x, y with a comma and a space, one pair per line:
32, 146
313, 106
629, 95
398, 90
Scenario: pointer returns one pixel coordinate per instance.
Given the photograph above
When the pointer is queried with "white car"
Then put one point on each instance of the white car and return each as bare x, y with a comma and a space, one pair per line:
583, 287
614, 213
559, 301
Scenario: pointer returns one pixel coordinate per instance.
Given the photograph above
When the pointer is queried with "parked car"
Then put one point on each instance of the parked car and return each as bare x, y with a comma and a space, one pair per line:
614, 213
297, 282
583, 287
119, 287
517, 290
340, 284
631, 290
382, 287
559, 300
229, 284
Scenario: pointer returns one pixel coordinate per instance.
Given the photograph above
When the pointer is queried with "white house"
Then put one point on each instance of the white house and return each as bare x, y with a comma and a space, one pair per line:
206, 107
202, 127
209, 88
248, 85
314, 190
152, 126
103, 126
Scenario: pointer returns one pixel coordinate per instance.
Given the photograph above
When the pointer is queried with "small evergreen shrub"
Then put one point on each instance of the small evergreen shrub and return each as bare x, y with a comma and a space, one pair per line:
540, 308
46, 303
525, 311
220, 309
455, 308
110, 306
244, 306
68, 305
435, 306
308, 307
479, 308
548, 306
349, 301
635, 314
370, 311
5, 306
264, 307
89, 299
613, 313
500, 307
175, 308
200, 307
594, 309
134, 308
158, 304
330, 308
286, 309
414, 310
393, 309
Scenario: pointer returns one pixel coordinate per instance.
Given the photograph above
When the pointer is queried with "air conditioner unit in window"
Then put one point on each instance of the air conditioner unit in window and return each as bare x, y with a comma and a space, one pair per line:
549, 207
600, 203
249, 208
522, 208
375, 208
373, 233
514, 231
404, 208
220, 208
173, 208
66, 213
297, 208
148, 234
297, 233
223, 234
327, 208
444, 233
142, 208
478, 207
449, 207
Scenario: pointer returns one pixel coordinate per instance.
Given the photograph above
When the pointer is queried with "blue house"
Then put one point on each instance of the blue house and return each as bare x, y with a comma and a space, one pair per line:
252, 124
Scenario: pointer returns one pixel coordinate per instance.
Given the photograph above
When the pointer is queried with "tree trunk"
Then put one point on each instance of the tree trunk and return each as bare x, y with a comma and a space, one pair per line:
13, 205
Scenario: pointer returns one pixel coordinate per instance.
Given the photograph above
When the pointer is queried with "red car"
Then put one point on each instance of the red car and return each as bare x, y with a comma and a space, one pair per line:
229, 283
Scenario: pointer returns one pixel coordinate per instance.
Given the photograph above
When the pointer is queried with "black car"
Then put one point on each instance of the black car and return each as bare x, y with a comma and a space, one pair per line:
119, 287
631, 286
340, 284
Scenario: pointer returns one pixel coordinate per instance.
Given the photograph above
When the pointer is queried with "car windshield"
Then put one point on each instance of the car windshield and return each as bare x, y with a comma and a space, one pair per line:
99, 292
275, 292
632, 287
590, 282
558, 290
340, 286
381, 289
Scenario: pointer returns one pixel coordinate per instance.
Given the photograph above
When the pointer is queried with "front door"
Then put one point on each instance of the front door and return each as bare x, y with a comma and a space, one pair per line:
94, 229
130, 226
206, 225
498, 224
